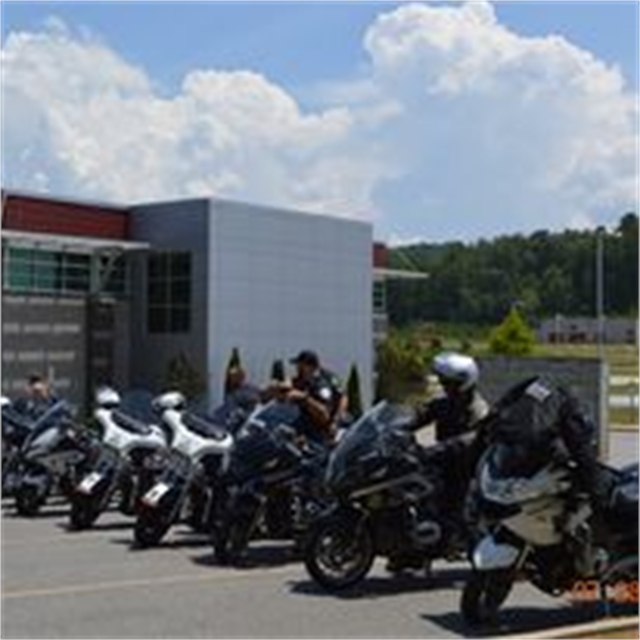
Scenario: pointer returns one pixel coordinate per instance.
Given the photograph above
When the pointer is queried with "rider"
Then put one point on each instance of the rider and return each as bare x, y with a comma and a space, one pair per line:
460, 407
455, 413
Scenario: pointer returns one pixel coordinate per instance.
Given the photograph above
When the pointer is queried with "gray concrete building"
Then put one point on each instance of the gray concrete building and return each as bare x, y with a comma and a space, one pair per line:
96, 293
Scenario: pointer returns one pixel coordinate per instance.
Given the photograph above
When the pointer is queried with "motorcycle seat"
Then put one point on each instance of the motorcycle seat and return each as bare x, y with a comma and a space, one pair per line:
202, 426
133, 425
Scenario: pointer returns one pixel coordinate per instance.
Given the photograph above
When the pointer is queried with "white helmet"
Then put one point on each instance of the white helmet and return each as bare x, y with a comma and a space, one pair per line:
458, 369
107, 397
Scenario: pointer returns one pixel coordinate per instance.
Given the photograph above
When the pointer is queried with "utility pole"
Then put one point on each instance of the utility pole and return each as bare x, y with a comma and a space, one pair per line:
600, 289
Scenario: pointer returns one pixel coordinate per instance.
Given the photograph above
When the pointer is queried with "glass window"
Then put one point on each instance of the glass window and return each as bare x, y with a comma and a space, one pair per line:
379, 296
169, 292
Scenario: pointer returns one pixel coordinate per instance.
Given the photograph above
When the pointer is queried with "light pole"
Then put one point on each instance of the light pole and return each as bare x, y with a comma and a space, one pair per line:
600, 289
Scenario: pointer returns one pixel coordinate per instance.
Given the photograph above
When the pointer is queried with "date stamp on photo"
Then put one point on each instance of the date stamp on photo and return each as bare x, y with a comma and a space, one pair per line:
620, 592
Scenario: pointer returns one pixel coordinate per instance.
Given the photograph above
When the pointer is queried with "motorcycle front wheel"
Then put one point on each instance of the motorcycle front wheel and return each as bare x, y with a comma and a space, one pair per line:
84, 511
29, 500
483, 595
151, 526
337, 556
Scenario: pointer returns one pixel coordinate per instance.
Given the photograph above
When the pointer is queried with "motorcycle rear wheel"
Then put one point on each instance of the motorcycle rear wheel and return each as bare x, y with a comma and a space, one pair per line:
336, 556
483, 595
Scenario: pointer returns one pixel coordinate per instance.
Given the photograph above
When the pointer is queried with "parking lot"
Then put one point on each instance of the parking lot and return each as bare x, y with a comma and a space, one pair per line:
58, 584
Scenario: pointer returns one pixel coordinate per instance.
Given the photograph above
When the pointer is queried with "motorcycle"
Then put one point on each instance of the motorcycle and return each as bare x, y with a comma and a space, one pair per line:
54, 454
532, 524
15, 429
387, 491
273, 482
199, 452
128, 461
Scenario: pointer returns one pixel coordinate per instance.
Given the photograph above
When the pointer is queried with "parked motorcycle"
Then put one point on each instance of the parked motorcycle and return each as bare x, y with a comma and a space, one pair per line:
387, 493
128, 461
273, 480
533, 525
199, 452
54, 454
15, 429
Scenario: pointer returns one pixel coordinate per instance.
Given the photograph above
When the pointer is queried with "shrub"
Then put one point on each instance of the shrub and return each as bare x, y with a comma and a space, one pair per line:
182, 376
513, 337
354, 396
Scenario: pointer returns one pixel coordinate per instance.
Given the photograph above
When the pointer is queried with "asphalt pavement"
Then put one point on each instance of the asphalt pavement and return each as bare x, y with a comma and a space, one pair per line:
58, 584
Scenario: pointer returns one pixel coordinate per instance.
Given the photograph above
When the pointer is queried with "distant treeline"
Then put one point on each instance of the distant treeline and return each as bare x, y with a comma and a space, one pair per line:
545, 273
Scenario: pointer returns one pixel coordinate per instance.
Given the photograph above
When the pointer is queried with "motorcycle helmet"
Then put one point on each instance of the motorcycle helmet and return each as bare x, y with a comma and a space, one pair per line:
456, 370
107, 397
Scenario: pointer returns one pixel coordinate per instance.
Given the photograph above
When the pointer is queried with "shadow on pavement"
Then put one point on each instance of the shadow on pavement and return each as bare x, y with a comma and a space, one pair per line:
516, 619
377, 586
259, 556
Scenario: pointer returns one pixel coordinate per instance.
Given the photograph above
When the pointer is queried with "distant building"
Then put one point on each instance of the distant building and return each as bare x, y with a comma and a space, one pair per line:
584, 330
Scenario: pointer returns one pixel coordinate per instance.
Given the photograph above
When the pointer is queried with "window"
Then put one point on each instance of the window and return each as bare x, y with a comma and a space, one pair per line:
37, 270
113, 275
379, 297
169, 292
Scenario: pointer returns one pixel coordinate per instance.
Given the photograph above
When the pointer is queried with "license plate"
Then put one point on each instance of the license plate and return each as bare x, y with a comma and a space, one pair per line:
89, 482
154, 495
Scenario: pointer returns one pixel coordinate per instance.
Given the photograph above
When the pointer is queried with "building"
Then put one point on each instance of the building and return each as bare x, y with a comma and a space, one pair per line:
96, 293
578, 330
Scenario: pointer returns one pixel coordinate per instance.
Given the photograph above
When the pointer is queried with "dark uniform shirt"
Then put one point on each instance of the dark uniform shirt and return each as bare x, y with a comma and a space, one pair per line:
324, 387
453, 417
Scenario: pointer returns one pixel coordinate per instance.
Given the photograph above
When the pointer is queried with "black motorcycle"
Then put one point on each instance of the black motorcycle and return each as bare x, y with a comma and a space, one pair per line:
16, 427
273, 483
54, 455
388, 497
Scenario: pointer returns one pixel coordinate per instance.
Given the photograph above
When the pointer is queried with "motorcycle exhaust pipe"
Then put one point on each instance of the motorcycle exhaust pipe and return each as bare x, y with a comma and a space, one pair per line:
427, 533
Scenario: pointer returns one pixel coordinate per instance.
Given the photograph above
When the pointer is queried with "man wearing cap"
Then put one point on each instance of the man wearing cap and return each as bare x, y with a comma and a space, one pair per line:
319, 395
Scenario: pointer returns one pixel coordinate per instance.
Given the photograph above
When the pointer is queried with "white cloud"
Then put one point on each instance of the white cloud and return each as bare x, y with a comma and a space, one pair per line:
459, 127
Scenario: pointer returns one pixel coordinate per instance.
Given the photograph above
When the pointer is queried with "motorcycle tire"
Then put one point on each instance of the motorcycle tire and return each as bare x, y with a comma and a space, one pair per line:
150, 527
84, 512
29, 501
230, 540
324, 556
483, 595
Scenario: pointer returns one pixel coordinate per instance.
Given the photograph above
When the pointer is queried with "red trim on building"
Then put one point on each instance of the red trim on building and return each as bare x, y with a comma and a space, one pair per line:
39, 215
380, 255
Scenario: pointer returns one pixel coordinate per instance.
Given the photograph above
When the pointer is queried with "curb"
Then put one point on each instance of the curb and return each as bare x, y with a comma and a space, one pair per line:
587, 630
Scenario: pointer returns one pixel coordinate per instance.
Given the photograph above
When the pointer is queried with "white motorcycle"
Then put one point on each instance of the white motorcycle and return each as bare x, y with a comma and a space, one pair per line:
536, 527
200, 452
127, 462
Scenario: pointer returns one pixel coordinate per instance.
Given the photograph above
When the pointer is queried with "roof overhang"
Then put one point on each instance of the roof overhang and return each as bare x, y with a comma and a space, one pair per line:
399, 274
79, 244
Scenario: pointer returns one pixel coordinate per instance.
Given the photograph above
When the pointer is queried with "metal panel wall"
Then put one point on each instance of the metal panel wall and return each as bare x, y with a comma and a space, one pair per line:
281, 281
44, 335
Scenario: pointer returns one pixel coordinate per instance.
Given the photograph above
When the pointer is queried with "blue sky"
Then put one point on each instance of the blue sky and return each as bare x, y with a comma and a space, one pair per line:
169, 38
413, 177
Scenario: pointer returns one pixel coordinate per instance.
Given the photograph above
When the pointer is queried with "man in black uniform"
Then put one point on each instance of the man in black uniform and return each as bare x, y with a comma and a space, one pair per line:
319, 394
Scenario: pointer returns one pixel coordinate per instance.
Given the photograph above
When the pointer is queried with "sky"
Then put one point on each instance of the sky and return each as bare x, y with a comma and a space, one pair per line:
433, 120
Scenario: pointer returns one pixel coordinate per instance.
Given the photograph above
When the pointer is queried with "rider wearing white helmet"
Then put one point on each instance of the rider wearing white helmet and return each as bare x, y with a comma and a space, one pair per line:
460, 407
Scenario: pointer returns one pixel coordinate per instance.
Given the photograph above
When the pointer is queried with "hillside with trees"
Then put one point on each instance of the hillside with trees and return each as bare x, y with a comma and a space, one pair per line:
544, 273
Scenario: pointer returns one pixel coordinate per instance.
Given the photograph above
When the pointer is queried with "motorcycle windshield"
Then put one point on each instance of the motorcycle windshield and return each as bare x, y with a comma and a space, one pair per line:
273, 414
367, 437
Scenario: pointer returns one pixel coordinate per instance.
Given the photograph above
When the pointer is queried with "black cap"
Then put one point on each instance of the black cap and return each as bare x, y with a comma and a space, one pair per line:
306, 357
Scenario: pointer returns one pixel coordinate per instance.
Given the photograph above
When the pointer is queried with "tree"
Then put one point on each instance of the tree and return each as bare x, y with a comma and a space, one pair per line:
513, 336
354, 396
277, 371
234, 363
401, 363
182, 376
